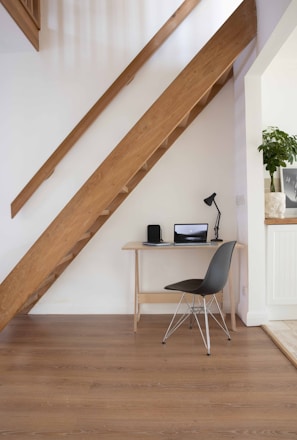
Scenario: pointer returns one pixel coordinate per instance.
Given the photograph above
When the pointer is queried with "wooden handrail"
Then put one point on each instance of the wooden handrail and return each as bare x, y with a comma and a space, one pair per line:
126, 76
26, 14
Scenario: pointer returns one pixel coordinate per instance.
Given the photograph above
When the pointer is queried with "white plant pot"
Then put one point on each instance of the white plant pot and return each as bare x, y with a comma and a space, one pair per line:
275, 205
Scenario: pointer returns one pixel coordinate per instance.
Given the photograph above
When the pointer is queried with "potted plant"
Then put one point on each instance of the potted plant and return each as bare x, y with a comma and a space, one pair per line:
278, 148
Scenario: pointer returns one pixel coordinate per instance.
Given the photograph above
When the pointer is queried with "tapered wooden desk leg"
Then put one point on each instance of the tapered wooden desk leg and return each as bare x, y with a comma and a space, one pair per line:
232, 304
136, 292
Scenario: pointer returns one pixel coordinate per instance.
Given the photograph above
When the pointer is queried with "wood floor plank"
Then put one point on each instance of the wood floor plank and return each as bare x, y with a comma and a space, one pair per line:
90, 377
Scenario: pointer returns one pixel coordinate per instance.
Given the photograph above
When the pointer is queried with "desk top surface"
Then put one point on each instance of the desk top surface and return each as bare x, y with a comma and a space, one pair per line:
138, 245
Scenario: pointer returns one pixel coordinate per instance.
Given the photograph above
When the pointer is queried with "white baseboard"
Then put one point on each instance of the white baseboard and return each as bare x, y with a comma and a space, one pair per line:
254, 319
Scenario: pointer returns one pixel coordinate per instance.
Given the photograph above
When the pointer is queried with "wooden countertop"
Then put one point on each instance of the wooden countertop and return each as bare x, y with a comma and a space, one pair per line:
281, 221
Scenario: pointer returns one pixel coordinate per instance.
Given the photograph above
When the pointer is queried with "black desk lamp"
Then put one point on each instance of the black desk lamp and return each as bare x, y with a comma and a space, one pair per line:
209, 201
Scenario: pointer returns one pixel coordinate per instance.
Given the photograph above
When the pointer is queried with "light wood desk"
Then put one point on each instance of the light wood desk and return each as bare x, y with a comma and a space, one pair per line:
169, 297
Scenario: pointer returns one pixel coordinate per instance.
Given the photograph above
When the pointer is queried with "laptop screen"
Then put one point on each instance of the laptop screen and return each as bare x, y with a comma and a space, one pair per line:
190, 233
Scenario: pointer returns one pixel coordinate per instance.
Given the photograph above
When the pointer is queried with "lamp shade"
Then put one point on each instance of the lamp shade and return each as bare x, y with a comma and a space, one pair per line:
209, 200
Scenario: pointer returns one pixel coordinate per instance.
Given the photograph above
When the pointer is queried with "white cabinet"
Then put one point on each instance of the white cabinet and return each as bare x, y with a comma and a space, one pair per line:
281, 275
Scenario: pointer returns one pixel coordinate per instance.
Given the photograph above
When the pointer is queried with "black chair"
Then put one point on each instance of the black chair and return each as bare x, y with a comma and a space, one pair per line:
214, 282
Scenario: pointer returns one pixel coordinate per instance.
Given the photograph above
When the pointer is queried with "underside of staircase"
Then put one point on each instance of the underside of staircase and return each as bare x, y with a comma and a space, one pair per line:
26, 14
127, 164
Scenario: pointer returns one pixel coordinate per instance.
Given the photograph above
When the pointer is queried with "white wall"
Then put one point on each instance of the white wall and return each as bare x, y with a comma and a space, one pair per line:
84, 46
267, 103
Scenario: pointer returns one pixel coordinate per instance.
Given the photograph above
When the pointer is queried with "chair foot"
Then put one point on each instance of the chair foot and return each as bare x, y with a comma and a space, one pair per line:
163, 342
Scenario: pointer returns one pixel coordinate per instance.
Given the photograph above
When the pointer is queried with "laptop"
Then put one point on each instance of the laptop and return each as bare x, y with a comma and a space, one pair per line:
192, 234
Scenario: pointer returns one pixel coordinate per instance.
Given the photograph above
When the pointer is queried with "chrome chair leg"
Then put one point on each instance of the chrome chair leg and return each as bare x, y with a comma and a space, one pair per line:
174, 326
206, 326
204, 335
222, 324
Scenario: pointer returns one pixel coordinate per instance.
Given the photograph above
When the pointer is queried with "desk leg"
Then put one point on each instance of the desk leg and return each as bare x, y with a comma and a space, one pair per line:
136, 292
232, 304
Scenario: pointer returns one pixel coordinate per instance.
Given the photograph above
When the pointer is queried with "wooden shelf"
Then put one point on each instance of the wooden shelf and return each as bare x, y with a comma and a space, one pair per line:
281, 221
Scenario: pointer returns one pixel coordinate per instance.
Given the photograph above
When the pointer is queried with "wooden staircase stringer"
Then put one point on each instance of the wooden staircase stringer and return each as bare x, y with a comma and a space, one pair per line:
152, 131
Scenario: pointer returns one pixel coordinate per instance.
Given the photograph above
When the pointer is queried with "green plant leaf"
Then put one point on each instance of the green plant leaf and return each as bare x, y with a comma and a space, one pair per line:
278, 149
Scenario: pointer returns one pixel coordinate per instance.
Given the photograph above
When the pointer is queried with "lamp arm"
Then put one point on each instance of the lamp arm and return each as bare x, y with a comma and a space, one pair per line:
217, 207
217, 223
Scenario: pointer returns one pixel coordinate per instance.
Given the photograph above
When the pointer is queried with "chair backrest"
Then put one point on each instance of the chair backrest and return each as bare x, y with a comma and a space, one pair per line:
218, 269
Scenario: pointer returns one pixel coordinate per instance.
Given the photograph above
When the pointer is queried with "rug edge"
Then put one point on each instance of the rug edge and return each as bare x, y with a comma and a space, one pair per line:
279, 344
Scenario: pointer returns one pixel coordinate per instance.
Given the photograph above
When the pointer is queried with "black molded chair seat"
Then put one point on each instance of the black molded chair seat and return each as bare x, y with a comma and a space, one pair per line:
213, 282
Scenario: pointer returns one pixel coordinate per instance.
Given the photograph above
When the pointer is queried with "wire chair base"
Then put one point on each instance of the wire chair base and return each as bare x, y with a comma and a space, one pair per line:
198, 306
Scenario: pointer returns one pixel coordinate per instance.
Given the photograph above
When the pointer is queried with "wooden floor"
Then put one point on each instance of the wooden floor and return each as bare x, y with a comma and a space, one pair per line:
91, 377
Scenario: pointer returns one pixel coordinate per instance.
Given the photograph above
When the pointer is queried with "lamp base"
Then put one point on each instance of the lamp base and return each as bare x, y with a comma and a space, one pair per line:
216, 239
